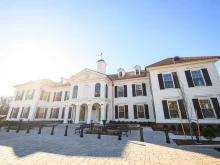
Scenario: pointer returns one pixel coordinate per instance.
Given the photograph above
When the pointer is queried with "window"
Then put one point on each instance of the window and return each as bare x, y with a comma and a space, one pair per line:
139, 90
106, 91
197, 78
67, 93
82, 114
120, 74
120, 91
137, 72
58, 96
70, 113
173, 108
45, 95
140, 111
121, 112
30, 94
15, 113
75, 91
55, 113
97, 89
207, 109
168, 81
19, 95
25, 112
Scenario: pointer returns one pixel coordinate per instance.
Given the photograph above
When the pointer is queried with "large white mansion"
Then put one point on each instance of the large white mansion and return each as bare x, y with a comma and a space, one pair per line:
163, 92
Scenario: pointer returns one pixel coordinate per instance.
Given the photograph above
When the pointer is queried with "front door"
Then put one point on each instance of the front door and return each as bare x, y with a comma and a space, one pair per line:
95, 116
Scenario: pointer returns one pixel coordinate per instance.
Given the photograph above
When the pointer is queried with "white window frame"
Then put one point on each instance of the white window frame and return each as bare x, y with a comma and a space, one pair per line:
18, 96
138, 111
29, 94
56, 96
53, 113
139, 72
119, 111
202, 77
14, 112
121, 74
178, 109
165, 81
212, 108
47, 92
136, 89
22, 117
122, 91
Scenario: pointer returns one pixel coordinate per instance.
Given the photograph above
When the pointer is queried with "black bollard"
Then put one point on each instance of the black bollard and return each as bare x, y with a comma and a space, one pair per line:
39, 132
81, 131
18, 126
28, 127
119, 134
8, 128
66, 130
167, 136
91, 125
52, 131
141, 135
99, 135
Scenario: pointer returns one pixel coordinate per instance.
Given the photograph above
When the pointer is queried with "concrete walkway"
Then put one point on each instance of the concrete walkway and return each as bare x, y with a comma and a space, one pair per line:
21, 148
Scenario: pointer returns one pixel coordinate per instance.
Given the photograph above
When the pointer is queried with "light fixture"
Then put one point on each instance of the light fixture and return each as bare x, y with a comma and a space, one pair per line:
77, 103
89, 102
67, 104
102, 102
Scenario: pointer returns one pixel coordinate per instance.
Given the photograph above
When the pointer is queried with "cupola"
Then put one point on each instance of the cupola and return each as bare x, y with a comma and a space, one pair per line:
137, 70
121, 72
63, 80
101, 65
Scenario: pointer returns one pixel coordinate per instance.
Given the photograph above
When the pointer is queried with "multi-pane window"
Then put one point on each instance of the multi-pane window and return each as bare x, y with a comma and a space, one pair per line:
41, 113
55, 113
120, 74
67, 93
14, 113
168, 81
137, 72
140, 111
207, 109
29, 95
19, 95
97, 89
25, 112
106, 91
197, 78
121, 112
139, 90
45, 95
120, 91
75, 91
173, 108
58, 96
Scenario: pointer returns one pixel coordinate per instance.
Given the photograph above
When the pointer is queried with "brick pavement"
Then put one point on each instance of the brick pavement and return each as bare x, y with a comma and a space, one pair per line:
21, 148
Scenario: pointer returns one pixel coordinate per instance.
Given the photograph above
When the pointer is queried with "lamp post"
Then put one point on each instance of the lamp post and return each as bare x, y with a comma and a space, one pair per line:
65, 121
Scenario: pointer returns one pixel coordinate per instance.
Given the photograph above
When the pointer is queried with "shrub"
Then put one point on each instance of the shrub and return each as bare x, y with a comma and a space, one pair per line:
201, 127
148, 123
208, 133
173, 127
218, 126
165, 126
211, 126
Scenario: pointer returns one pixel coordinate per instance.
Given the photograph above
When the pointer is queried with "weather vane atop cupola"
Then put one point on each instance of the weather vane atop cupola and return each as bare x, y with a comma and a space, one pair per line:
101, 55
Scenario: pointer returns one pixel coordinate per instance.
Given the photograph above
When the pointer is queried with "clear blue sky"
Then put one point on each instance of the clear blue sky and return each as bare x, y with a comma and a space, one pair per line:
51, 38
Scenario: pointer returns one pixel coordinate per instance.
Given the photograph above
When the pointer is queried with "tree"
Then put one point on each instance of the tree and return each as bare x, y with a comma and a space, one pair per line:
208, 133
4, 105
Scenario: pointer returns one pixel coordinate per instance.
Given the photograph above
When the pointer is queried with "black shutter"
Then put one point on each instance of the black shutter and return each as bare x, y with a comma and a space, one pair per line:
41, 95
17, 112
206, 77
182, 109
144, 89
70, 113
54, 96
146, 111
11, 112
22, 95
63, 113
125, 91
48, 99
116, 112
65, 96
37, 113
116, 92
197, 108
51, 111
32, 95
175, 79
126, 111
133, 90
160, 79
189, 78
135, 111
26, 95
216, 107
28, 111
45, 113
165, 109
60, 95
22, 112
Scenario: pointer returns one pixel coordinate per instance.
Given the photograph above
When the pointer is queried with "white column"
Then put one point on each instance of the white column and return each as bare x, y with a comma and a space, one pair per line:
102, 113
65, 121
89, 118
77, 115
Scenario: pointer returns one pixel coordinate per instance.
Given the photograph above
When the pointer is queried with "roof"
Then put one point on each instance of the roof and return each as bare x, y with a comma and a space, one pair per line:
169, 61
61, 85
128, 75
101, 60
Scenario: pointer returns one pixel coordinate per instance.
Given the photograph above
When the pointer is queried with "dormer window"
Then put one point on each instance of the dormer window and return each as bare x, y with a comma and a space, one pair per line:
137, 72
120, 74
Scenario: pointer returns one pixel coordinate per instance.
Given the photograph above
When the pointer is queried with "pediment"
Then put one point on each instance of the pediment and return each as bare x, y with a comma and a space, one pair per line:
87, 75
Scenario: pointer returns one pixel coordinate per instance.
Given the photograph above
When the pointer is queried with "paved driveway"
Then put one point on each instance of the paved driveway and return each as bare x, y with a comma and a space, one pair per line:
22, 148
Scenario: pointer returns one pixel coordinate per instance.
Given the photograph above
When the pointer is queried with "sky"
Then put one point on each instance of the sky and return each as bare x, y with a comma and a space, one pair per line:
53, 38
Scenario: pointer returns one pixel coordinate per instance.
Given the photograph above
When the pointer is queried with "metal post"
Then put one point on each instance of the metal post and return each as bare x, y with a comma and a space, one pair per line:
18, 126
28, 127
167, 136
39, 132
8, 128
91, 125
99, 136
66, 130
119, 134
52, 131
81, 131
141, 135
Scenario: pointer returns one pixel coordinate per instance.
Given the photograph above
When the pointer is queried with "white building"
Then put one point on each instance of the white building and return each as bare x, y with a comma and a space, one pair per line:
88, 95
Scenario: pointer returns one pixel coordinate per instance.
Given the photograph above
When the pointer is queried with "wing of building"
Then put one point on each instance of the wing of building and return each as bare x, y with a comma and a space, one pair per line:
164, 92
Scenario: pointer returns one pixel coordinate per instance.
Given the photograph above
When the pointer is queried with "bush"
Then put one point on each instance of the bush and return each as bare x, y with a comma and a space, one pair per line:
173, 127
208, 133
148, 123
218, 126
211, 126
165, 126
